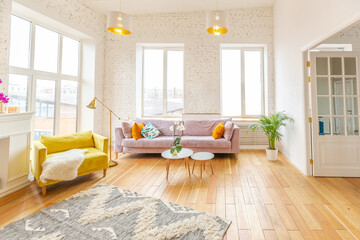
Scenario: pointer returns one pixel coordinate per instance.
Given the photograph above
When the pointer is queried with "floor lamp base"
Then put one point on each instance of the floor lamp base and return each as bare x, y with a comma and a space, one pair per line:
112, 163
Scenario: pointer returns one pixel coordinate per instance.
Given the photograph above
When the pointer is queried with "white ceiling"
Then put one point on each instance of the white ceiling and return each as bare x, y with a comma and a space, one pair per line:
160, 6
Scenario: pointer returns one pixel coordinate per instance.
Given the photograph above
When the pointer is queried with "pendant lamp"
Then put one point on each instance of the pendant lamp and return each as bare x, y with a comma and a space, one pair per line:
119, 23
217, 22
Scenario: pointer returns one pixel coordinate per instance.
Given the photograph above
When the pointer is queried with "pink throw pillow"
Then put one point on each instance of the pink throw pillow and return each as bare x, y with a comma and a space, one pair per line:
229, 127
126, 128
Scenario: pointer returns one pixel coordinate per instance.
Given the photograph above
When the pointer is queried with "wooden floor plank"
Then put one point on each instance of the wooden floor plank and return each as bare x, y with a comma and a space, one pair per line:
263, 199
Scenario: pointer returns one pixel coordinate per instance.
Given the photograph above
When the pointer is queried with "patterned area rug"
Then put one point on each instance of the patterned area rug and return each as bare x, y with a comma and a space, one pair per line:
108, 212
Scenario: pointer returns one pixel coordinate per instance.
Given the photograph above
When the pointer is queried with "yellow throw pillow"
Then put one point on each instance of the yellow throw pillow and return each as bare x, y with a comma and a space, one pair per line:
136, 130
218, 131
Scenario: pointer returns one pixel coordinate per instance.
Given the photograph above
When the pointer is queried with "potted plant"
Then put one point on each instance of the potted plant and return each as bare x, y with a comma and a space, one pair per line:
270, 125
177, 147
3, 101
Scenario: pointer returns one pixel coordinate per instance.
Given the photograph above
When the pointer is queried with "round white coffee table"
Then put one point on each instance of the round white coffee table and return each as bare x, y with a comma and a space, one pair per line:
185, 153
202, 157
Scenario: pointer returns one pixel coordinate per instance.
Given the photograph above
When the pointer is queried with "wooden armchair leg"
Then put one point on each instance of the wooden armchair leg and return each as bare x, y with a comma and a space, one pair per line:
104, 174
43, 189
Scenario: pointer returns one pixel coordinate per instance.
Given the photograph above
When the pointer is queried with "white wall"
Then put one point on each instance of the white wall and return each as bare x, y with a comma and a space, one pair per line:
71, 13
201, 56
298, 24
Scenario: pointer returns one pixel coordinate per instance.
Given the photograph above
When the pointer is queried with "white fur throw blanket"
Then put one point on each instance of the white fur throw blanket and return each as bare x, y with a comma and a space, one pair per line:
62, 166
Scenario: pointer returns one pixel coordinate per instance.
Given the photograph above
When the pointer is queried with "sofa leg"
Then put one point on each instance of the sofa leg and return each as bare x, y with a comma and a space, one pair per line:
104, 172
43, 189
116, 155
236, 156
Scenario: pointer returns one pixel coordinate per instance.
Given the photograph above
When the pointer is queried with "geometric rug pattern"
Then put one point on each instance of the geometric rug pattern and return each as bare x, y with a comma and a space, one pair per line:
108, 212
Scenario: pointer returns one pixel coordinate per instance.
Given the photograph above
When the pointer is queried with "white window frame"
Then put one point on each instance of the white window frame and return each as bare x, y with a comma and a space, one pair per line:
165, 50
242, 67
34, 75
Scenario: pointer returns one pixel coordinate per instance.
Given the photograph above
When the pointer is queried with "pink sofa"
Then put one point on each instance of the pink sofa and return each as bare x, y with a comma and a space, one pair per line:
197, 137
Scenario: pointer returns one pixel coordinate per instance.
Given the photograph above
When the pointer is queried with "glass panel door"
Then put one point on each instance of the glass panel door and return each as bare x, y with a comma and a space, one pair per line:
337, 100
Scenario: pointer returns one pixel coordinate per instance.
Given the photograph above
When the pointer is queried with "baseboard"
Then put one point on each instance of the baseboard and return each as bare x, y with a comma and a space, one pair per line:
14, 186
253, 146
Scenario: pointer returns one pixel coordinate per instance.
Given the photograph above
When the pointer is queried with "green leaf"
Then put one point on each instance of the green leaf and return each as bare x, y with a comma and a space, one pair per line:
177, 141
270, 126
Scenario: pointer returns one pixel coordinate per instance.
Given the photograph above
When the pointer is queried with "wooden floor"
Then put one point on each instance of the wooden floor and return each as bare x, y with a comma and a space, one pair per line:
264, 200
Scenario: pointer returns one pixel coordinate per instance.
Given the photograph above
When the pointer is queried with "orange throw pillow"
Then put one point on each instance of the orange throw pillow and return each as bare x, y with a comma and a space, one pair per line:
136, 130
218, 131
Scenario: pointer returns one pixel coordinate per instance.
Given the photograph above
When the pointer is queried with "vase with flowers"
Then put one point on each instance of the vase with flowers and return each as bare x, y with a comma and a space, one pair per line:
179, 127
3, 101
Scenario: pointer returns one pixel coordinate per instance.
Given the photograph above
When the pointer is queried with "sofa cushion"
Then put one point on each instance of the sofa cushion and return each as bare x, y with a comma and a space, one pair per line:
218, 131
136, 130
204, 142
229, 129
94, 159
162, 125
126, 128
150, 131
67, 142
159, 142
201, 127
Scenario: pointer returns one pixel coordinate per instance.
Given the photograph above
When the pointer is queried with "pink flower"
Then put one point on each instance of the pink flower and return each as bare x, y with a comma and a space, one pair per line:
0, 81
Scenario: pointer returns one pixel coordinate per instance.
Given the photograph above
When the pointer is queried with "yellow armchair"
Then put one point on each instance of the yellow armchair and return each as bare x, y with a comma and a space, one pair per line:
95, 159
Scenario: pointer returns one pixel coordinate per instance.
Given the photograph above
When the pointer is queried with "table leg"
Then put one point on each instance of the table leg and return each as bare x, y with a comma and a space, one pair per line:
201, 167
212, 170
185, 162
193, 167
188, 165
167, 169
204, 165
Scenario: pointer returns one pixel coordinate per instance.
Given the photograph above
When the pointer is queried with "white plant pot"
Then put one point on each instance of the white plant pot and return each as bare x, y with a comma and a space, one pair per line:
272, 154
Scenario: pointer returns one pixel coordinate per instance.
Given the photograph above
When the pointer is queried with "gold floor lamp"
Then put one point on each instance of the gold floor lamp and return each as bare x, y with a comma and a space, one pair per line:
92, 105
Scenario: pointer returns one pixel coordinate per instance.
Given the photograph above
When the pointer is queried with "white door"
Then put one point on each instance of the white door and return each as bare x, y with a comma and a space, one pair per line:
335, 113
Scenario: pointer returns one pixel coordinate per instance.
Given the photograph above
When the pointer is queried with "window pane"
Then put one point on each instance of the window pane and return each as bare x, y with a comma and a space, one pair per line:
20, 42
46, 50
153, 82
18, 93
321, 66
336, 86
322, 86
338, 126
323, 106
337, 105
68, 107
45, 108
324, 126
231, 82
335, 66
253, 78
175, 83
70, 57
352, 126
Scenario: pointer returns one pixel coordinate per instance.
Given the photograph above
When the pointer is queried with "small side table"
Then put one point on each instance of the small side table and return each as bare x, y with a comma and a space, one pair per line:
185, 153
202, 157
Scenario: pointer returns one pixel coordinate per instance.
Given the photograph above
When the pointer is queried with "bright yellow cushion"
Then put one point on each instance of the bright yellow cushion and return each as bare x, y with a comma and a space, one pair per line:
67, 142
218, 131
136, 130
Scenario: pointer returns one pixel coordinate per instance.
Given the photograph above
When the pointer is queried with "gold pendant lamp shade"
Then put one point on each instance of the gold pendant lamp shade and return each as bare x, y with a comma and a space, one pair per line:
217, 22
119, 23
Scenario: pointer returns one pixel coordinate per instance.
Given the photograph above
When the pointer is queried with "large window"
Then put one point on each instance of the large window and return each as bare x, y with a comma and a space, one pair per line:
242, 78
163, 82
44, 76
